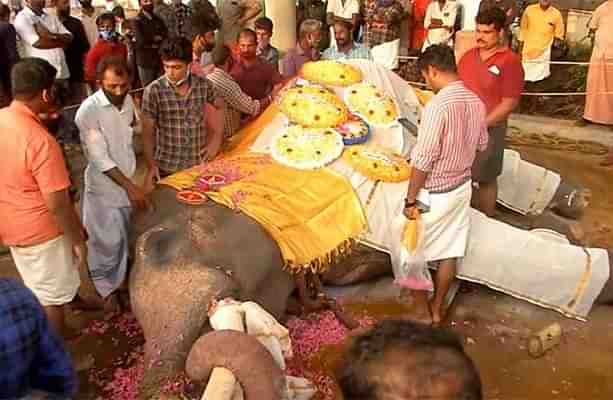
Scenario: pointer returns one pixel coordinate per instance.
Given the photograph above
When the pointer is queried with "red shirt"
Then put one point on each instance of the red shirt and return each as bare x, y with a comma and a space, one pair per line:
102, 49
256, 80
500, 76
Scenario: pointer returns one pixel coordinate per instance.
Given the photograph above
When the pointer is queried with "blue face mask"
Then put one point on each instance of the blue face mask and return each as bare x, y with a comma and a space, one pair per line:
107, 35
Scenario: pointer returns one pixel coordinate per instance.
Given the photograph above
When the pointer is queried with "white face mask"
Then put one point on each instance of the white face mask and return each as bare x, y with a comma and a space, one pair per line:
182, 81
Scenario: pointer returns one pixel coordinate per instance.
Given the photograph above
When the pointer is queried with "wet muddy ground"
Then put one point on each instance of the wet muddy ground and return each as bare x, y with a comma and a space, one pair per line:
494, 326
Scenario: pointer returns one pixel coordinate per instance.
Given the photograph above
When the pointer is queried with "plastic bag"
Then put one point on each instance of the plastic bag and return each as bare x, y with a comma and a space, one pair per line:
408, 260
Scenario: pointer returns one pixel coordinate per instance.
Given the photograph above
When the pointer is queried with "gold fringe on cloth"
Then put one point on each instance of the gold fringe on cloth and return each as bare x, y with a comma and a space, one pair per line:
312, 215
322, 264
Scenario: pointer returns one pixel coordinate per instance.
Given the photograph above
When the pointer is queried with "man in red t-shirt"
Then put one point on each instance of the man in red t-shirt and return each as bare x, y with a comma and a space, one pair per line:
256, 77
107, 45
495, 74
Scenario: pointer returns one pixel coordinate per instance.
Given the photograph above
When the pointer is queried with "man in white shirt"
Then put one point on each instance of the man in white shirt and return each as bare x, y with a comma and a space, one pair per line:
43, 36
439, 22
348, 10
110, 196
88, 19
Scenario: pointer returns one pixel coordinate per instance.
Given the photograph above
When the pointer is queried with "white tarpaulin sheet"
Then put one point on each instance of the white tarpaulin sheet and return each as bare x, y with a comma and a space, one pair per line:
523, 264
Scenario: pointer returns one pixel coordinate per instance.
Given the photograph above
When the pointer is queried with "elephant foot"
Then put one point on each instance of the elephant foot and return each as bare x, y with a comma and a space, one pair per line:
342, 315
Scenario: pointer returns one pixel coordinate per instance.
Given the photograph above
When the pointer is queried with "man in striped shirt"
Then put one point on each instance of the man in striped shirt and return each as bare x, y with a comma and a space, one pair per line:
452, 130
237, 101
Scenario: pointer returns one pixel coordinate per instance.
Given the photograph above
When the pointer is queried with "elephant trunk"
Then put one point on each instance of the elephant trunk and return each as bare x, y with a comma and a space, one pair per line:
243, 355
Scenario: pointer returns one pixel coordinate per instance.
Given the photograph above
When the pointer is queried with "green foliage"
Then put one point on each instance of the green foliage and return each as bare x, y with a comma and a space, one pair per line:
577, 74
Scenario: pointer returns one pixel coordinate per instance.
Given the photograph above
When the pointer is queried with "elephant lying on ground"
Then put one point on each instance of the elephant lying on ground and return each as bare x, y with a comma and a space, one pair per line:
186, 257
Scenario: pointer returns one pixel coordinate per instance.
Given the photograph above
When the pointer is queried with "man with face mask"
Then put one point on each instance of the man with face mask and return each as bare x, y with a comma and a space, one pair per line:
182, 121
111, 195
46, 239
256, 77
107, 45
307, 48
452, 130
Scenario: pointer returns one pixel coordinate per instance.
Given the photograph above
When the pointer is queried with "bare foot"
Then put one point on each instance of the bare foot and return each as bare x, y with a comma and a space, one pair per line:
342, 316
112, 306
438, 313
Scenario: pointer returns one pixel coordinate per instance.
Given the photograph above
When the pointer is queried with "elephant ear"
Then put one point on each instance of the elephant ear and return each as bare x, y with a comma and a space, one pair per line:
250, 362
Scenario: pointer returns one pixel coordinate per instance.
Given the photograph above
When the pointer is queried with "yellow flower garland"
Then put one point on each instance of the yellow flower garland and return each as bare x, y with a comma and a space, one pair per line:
313, 107
329, 72
377, 163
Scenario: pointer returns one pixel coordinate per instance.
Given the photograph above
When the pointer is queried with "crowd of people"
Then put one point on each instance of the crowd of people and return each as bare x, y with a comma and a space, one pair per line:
207, 71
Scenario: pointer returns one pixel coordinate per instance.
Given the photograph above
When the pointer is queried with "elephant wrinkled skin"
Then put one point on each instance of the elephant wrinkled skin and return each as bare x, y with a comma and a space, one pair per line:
186, 257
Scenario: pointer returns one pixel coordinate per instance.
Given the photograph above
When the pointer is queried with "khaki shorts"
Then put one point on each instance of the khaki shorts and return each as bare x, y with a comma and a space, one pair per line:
49, 270
488, 166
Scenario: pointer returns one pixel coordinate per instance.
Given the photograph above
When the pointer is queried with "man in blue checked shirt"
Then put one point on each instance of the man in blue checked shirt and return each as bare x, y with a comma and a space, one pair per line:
33, 361
346, 48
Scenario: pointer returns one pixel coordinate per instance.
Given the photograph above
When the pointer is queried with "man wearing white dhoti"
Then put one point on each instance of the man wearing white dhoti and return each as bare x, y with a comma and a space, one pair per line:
541, 24
439, 22
105, 121
452, 130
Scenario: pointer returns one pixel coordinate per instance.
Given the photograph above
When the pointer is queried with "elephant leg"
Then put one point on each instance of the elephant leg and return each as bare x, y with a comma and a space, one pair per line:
362, 265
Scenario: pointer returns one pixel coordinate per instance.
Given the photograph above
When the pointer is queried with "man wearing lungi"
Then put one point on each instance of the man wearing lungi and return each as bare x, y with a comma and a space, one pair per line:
105, 121
541, 24
495, 74
452, 130
39, 223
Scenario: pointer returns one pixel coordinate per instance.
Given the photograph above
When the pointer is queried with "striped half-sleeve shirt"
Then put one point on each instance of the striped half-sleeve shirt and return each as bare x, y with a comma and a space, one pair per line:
237, 102
452, 130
